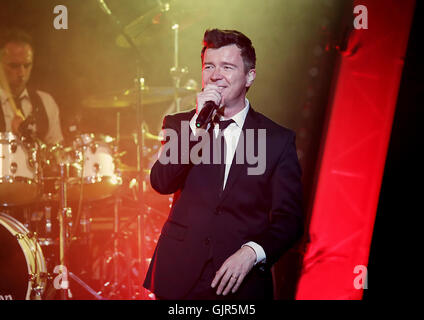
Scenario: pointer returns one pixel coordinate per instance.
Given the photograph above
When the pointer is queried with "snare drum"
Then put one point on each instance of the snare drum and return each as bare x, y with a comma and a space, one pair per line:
23, 272
18, 170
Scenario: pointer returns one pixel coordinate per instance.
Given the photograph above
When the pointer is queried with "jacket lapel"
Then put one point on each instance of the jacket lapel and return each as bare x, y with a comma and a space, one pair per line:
237, 169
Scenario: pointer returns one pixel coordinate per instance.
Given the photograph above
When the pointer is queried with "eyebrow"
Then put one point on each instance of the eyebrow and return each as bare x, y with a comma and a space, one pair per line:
13, 64
224, 63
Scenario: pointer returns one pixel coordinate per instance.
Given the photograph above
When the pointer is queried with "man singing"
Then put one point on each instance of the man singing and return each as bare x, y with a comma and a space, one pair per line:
227, 225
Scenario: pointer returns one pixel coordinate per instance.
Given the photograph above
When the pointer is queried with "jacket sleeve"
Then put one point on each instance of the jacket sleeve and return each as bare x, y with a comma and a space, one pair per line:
168, 173
286, 216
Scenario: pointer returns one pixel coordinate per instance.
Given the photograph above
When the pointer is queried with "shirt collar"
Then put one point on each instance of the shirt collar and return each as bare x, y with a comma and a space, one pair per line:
240, 117
24, 94
4, 98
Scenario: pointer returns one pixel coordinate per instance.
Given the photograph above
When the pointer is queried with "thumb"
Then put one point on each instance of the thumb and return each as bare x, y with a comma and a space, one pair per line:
222, 102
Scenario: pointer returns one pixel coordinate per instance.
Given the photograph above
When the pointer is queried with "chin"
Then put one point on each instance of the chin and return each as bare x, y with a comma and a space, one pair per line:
18, 88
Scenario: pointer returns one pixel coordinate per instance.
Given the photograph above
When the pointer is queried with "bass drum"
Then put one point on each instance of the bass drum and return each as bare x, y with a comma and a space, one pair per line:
23, 272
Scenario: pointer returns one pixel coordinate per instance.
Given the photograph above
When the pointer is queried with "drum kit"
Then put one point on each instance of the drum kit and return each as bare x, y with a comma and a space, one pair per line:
49, 195
45, 194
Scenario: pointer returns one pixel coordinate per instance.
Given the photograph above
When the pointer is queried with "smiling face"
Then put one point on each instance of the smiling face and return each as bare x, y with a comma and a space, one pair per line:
17, 61
225, 68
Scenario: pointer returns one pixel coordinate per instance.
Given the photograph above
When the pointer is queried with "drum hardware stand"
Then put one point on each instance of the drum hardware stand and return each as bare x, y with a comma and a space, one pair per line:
116, 252
175, 71
65, 224
81, 193
134, 267
140, 252
64, 217
139, 87
85, 286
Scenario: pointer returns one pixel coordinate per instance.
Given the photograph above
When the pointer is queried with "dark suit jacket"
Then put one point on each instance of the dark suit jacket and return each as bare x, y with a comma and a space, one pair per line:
203, 225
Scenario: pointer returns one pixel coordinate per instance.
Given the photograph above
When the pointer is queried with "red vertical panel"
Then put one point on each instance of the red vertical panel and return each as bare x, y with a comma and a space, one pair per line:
354, 152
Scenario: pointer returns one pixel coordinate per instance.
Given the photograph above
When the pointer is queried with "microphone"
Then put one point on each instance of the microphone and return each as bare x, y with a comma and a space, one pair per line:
205, 115
104, 7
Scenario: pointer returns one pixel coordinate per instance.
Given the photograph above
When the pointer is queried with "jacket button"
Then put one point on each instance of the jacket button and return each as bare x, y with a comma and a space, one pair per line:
206, 241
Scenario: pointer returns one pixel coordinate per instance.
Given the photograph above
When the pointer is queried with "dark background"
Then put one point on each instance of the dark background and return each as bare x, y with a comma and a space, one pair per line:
393, 268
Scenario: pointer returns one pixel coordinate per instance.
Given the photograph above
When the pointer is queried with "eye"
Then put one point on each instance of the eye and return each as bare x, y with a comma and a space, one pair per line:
13, 65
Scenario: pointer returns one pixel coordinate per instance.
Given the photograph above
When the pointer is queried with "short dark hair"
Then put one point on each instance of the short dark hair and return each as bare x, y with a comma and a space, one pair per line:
217, 38
15, 35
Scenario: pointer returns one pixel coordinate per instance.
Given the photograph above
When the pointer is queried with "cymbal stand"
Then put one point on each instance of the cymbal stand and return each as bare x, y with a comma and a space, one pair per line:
65, 215
140, 292
175, 71
139, 87
65, 226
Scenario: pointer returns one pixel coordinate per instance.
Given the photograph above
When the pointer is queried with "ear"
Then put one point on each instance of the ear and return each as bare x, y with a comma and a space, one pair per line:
250, 77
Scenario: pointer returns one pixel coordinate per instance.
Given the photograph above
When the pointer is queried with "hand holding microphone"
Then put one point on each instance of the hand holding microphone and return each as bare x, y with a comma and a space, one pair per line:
208, 101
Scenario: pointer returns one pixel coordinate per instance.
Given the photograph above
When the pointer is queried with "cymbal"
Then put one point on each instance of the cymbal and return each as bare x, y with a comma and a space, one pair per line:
157, 23
147, 135
126, 168
131, 169
128, 98
152, 136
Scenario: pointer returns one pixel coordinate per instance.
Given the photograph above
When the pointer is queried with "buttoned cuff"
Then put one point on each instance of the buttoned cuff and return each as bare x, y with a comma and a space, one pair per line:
260, 253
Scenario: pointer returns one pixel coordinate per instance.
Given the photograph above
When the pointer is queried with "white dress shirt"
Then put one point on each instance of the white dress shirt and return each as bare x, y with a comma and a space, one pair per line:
231, 137
54, 133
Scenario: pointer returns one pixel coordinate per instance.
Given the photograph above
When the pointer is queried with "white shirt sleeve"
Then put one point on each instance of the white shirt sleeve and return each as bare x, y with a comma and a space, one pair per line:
54, 133
260, 253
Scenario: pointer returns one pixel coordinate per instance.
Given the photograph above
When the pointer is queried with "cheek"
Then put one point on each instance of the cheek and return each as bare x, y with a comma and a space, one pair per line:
10, 73
205, 78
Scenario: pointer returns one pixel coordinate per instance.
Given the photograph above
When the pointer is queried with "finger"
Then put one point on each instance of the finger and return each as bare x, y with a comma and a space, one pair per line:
211, 86
223, 282
210, 95
238, 283
218, 276
212, 89
222, 102
231, 282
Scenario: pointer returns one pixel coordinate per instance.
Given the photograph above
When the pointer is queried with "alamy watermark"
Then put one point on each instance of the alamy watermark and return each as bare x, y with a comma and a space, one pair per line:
361, 20
61, 280
177, 149
361, 280
61, 20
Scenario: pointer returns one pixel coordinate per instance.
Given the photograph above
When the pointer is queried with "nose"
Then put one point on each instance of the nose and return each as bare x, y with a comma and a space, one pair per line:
216, 75
21, 70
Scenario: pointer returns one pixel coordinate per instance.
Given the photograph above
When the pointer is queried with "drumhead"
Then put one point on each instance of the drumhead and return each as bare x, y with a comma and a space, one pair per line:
13, 267
20, 256
18, 170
